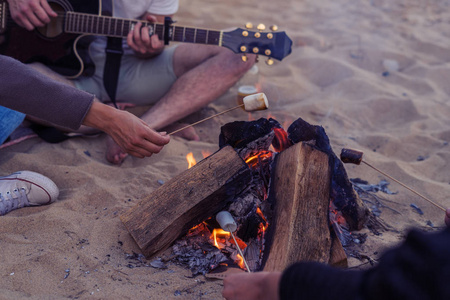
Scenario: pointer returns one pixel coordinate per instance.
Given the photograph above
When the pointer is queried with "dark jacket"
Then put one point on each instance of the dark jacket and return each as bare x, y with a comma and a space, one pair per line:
418, 269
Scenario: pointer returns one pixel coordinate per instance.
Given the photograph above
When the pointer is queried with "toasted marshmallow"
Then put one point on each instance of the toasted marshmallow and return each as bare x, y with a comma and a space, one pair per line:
256, 102
226, 221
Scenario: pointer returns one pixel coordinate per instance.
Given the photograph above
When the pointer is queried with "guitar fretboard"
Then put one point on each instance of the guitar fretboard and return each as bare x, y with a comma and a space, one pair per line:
80, 23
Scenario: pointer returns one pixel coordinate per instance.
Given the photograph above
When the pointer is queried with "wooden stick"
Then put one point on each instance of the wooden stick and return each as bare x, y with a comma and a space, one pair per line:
405, 186
206, 119
239, 249
356, 157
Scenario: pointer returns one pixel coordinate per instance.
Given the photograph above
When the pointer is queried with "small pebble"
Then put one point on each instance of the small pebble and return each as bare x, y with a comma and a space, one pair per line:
417, 209
421, 158
391, 65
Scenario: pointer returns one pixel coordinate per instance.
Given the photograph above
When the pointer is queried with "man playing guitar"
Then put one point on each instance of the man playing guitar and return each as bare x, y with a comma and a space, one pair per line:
176, 80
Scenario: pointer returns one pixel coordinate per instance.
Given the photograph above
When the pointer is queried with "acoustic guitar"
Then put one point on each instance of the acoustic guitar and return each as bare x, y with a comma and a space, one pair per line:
62, 44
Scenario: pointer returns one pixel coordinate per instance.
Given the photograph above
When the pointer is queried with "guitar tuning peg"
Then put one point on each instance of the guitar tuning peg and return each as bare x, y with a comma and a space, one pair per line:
274, 27
261, 27
269, 61
244, 58
249, 25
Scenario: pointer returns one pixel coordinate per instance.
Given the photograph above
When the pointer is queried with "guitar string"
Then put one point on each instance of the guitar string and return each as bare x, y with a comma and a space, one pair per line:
200, 34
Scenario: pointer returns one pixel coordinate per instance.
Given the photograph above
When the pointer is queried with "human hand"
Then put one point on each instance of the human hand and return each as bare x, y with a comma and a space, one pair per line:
447, 217
140, 40
252, 286
135, 137
132, 134
31, 13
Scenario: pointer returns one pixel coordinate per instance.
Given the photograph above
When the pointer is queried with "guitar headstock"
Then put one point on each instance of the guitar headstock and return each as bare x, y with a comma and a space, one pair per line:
272, 44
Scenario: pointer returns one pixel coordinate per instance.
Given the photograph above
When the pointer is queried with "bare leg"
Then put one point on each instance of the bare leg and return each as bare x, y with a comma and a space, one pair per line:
204, 73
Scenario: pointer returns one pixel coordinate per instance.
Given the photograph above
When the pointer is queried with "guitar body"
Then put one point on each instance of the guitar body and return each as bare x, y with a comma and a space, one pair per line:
65, 53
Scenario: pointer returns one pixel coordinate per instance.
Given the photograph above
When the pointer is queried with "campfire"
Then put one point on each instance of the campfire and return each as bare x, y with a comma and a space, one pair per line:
286, 190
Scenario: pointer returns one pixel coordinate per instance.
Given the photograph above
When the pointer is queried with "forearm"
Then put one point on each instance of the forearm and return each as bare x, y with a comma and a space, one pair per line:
100, 116
28, 91
312, 280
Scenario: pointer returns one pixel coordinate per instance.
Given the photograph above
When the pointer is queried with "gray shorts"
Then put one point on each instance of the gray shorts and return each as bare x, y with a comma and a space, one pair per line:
141, 81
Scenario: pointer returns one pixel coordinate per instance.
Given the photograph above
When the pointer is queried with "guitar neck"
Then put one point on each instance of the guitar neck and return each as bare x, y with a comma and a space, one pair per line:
80, 23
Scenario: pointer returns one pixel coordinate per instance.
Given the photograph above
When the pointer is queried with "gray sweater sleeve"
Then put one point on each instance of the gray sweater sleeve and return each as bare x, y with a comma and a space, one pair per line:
26, 90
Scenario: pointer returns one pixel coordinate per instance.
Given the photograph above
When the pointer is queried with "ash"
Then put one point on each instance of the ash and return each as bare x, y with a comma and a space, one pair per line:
197, 253
196, 250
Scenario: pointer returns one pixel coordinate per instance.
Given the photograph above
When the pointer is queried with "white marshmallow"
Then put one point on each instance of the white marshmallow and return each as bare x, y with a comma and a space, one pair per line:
256, 102
226, 221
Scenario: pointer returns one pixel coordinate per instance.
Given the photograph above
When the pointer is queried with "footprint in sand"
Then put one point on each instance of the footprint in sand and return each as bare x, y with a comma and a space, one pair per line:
323, 72
384, 113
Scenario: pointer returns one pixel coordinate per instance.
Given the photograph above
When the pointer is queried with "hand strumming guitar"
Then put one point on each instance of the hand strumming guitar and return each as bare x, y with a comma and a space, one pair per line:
145, 45
31, 13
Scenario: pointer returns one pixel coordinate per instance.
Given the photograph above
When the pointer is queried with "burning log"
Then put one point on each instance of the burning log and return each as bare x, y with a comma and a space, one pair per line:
306, 183
299, 229
342, 193
186, 200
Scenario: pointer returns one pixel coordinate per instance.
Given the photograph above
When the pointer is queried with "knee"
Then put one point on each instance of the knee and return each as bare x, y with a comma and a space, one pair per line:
238, 65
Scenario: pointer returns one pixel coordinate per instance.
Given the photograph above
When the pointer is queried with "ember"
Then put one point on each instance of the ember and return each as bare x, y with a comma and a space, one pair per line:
269, 180
257, 143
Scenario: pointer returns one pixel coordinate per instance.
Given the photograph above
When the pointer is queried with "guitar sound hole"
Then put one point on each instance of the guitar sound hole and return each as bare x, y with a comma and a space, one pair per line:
55, 27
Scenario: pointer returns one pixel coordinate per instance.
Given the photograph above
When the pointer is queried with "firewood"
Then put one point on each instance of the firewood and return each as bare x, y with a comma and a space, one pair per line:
338, 257
299, 230
186, 200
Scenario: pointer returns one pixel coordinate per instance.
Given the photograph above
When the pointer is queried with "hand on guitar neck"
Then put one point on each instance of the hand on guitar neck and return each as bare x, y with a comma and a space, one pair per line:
31, 13
144, 43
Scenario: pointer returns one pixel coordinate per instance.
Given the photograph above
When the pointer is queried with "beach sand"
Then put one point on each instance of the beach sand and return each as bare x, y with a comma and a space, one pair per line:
374, 74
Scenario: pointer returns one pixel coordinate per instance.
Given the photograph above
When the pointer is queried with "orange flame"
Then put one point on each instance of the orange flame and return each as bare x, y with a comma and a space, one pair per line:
191, 160
253, 161
240, 261
218, 233
262, 227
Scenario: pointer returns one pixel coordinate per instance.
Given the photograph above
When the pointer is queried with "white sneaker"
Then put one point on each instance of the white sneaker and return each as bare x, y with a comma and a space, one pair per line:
26, 188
